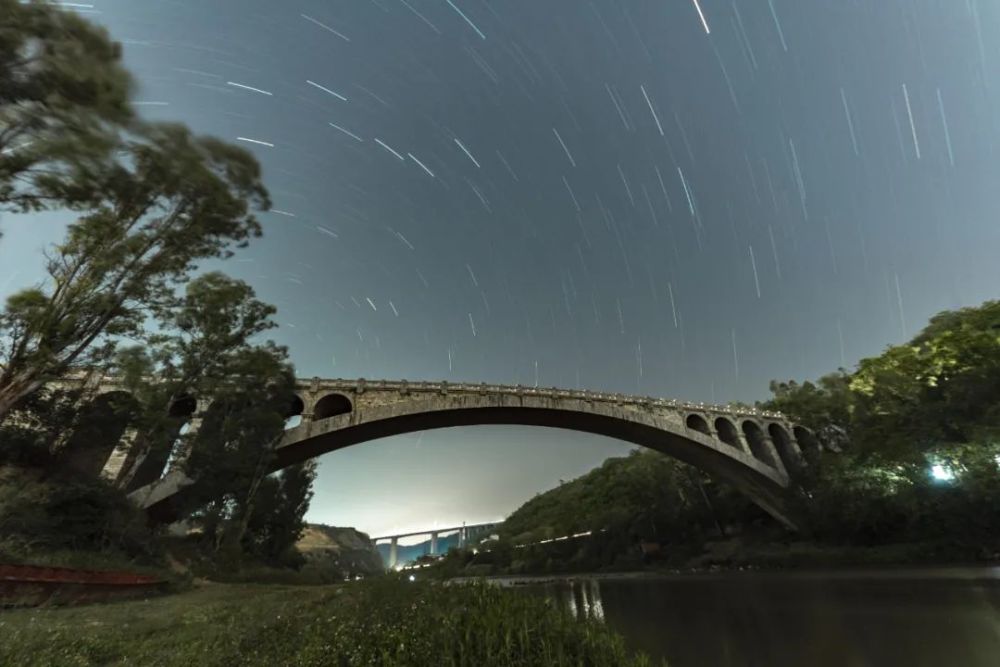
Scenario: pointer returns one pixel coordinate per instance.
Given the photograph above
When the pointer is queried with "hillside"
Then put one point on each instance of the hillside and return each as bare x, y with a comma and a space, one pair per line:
636, 508
645, 495
345, 549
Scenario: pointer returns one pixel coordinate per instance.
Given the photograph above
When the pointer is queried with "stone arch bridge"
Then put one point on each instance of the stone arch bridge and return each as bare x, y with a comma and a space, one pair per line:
756, 451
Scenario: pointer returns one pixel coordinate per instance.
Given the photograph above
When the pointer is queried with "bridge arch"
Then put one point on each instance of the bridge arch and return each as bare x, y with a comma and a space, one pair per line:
698, 423
762, 482
727, 432
756, 440
182, 407
332, 405
786, 448
293, 415
686, 432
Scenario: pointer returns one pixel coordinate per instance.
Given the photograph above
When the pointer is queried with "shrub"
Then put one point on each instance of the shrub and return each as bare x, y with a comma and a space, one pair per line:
39, 515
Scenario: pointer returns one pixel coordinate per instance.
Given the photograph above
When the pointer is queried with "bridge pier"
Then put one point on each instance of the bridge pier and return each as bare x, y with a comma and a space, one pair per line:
434, 544
182, 450
120, 456
778, 462
393, 552
744, 445
141, 468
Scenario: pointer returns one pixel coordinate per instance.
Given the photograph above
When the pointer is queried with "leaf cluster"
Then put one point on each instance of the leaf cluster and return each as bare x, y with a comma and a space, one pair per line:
64, 96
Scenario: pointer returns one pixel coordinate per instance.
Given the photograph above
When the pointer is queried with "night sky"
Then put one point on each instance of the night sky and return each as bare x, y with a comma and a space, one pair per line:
643, 196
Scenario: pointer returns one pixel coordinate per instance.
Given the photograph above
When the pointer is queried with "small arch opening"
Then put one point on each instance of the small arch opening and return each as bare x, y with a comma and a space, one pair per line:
727, 432
758, 445
295, 407
293, 416
183, 406
698, 423
332, 405
786, 448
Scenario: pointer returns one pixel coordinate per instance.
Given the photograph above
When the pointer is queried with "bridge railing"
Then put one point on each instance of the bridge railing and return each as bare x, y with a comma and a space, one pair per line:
649, 402
438, 387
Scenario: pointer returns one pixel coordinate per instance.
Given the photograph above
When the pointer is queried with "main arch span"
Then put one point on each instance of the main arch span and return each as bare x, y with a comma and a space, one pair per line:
755, 451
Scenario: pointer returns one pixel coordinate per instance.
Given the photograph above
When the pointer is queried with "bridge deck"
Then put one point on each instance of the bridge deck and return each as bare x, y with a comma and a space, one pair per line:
436, 530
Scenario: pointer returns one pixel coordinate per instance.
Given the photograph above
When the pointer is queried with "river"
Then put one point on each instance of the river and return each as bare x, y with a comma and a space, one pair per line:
911, 617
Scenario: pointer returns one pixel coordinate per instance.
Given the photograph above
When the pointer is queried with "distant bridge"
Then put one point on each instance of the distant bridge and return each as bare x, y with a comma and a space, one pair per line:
754, 450
465, 533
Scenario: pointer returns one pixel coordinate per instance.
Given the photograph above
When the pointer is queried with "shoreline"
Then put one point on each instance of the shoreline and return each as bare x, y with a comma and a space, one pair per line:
983, 573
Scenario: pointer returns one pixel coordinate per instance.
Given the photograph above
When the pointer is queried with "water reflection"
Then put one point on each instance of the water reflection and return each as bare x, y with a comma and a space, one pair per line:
886, 618
582, 597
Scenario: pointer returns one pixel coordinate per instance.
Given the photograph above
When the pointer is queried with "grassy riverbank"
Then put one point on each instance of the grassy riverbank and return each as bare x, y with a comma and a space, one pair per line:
380, 622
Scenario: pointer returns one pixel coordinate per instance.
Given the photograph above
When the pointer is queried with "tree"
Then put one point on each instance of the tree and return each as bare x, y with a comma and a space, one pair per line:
940, 389
176, 199
30, 438
64, 95
933, 401
825, 407
645, 495
233, 450
205, 350
278, 517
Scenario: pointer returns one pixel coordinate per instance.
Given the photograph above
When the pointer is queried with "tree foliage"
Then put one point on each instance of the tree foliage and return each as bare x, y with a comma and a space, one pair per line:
645, 496
30, 438
933, 401
181, 199
206, 348
938, 390
233, 450
941, 389
41, 513
278, 517
824, 406
152, 200
64, 96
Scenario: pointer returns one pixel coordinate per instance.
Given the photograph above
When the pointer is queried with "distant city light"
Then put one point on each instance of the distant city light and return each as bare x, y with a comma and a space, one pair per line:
412, 578
942, 473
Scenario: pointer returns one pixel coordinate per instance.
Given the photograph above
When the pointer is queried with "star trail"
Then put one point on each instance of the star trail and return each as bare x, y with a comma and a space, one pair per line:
681, 198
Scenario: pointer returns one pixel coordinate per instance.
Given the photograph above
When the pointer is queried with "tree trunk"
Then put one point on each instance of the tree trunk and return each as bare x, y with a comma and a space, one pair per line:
260, 472
235, 537
711, 508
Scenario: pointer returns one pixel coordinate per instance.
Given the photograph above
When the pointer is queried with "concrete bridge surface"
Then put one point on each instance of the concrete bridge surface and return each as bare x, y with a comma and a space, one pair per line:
756, 451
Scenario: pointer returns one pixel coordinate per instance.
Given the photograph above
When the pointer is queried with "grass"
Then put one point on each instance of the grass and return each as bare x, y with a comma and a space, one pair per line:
385, 622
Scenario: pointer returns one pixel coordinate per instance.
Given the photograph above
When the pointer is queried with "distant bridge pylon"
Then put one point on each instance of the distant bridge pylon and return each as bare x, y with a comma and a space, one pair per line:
466, 533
